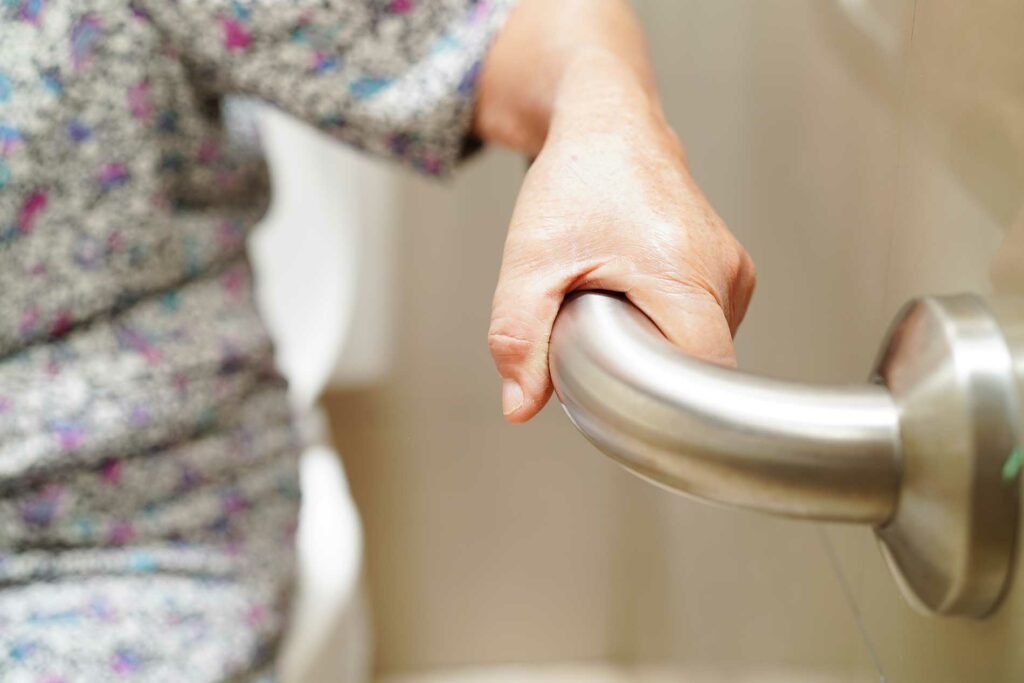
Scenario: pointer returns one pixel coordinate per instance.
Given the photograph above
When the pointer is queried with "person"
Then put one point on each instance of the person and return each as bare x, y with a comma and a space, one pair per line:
147, 454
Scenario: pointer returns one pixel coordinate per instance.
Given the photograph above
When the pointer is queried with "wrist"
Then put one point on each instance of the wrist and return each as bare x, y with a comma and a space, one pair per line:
564, 61
600, 93
594, 89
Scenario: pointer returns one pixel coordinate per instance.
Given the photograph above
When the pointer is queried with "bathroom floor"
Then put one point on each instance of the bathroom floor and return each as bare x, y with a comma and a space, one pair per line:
595, 673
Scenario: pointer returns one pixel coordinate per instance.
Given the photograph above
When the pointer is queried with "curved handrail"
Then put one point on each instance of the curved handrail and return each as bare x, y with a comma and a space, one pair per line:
813, 452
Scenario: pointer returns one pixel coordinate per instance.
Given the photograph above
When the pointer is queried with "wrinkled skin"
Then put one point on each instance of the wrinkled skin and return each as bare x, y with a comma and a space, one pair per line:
610, 204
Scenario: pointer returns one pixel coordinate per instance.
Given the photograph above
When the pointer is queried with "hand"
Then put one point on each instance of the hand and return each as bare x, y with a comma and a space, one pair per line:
609, 204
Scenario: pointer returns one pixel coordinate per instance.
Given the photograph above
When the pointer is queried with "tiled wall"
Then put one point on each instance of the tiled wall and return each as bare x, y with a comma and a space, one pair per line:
857, 176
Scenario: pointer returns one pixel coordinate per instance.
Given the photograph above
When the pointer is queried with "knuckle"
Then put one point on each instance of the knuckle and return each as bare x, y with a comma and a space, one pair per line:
732, 259
742, 289
507, 341
747, 274
739, 270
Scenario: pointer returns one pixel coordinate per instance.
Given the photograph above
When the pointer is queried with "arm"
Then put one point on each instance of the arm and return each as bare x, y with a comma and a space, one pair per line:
396, 79
609, 202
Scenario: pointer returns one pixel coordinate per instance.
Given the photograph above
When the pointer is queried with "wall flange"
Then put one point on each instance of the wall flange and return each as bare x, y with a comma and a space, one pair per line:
951, 539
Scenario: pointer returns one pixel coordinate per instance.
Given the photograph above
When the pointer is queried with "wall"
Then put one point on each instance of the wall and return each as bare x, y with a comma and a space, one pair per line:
490, 543
956, 225
865, 152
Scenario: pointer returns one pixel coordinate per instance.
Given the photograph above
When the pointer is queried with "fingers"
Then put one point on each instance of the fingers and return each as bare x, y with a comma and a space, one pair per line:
686, 312
691, 318
694, 318
521, 319
524, 312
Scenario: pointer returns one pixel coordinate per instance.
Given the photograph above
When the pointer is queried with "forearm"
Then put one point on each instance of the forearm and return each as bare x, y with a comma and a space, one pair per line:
584, 60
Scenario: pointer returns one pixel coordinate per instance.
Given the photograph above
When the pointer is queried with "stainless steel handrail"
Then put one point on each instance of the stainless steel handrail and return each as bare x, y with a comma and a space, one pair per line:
915, 454
828, 453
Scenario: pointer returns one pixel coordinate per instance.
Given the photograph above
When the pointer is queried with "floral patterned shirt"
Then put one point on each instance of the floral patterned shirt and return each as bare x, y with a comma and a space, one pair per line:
147, 474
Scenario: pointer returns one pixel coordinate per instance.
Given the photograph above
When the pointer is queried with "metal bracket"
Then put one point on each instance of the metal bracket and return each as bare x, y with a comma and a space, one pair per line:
951, 540
931, 459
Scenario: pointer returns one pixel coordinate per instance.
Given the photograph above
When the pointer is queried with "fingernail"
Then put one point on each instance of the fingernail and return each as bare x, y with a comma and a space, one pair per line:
511, 396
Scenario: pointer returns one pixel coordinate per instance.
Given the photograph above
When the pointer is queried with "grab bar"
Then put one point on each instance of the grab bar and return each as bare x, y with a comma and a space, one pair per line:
928, 453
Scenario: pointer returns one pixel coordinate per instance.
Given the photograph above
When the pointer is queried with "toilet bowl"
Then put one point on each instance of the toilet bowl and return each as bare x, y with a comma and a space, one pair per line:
323, 270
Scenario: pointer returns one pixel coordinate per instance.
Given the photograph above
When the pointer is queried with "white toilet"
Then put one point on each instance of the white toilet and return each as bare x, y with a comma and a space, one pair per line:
323, 263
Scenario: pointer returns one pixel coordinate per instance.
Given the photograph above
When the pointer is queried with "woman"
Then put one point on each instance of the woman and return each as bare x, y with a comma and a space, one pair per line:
147, 458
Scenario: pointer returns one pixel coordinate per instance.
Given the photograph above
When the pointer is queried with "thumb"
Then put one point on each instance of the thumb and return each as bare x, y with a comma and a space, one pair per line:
521, 318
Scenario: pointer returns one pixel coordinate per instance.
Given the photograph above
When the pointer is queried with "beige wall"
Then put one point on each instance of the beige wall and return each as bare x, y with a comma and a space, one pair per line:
959, 188
854, 184
490, 543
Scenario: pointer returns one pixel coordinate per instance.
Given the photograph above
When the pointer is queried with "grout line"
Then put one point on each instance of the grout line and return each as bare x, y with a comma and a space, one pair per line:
852, 603
898, 185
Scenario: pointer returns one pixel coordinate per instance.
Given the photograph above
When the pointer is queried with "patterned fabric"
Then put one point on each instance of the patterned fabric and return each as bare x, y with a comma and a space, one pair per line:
148, 483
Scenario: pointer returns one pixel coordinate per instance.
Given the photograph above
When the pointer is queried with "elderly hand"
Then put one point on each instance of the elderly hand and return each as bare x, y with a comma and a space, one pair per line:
608, 204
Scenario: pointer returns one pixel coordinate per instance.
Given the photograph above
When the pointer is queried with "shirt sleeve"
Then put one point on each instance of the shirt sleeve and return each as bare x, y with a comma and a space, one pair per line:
392, 77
